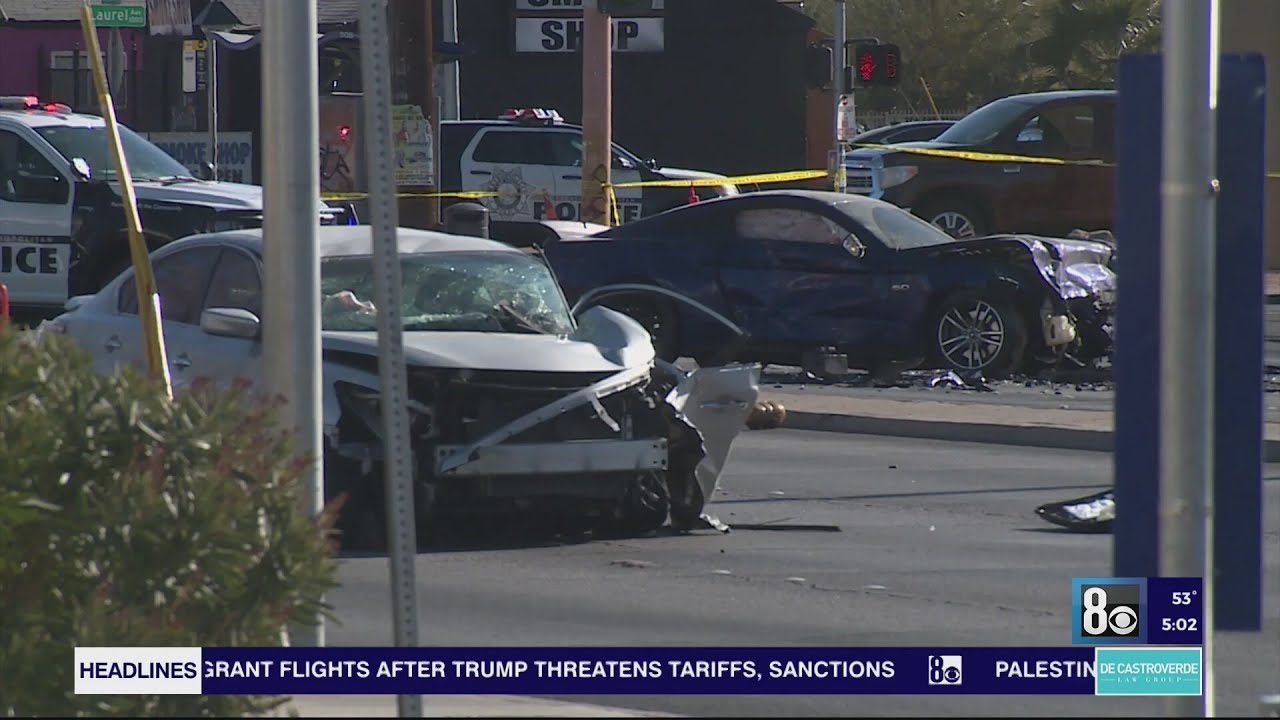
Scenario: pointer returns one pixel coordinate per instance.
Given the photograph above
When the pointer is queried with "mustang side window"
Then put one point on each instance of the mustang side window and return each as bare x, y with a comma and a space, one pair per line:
181, 280
789, 225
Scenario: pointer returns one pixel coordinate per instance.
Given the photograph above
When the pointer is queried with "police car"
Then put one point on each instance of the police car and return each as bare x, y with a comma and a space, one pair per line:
531, 158
62, 222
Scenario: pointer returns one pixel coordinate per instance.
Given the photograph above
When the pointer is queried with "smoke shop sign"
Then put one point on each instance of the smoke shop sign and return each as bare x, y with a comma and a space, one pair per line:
564, 34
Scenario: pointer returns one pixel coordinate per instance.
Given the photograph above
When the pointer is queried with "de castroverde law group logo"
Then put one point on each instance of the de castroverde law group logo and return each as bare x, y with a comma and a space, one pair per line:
1148, 671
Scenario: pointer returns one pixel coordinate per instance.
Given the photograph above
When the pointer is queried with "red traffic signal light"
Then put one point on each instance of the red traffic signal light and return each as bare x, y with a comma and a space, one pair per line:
876, 65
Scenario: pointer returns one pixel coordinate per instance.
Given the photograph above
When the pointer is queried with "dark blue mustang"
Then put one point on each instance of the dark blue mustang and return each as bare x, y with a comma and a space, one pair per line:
802, 270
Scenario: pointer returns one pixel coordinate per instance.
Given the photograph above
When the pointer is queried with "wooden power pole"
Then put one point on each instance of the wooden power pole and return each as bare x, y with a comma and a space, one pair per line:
597, 113
413, 50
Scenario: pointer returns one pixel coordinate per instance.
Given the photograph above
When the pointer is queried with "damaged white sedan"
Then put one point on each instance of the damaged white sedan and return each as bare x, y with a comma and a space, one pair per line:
517, 402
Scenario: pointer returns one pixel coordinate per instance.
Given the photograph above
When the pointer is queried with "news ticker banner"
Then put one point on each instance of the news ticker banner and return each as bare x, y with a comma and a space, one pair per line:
1137, 611
639, 671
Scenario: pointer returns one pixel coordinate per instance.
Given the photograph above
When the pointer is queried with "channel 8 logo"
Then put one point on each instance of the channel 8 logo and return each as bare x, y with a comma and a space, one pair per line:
946, 669
1109, 610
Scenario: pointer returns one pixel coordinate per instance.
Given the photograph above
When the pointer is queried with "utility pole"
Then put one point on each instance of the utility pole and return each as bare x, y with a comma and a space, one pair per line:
1187, 220
211, 47
291, 292
413, 83
452, 101
837, 75
597, 113
431, 107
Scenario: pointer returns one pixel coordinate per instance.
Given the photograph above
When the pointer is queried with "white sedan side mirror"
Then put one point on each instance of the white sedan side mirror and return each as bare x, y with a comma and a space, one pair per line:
230, 322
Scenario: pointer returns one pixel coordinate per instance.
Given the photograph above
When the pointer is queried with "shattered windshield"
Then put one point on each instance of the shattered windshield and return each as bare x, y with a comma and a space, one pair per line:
496, 292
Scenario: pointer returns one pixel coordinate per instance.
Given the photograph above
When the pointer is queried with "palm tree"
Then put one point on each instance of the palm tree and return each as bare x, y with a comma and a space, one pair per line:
1080, 41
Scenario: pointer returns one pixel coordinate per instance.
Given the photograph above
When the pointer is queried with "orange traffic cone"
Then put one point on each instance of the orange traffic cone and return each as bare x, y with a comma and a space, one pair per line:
548, 207
693, 195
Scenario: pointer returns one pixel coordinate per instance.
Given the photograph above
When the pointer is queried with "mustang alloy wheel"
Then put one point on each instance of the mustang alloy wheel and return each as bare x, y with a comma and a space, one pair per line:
973, 333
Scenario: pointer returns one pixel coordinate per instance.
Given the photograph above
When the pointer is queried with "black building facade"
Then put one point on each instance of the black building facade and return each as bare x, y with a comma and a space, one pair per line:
717, 85
726, 92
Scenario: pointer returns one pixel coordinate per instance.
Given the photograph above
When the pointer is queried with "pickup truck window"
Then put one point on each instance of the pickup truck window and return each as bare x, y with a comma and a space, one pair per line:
1061, 128
986, 123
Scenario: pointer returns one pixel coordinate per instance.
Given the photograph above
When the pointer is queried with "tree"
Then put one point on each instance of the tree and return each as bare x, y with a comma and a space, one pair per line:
973, 51
1080, 42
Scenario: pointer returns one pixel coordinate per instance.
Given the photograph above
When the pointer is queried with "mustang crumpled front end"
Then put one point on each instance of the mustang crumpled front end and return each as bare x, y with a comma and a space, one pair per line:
1079, 314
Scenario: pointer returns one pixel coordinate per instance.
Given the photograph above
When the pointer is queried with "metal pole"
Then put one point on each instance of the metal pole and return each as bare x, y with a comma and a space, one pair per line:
431, 108
1187, 313
597, 113
212, 91
452, 100
837, 74
402, 542
291, 181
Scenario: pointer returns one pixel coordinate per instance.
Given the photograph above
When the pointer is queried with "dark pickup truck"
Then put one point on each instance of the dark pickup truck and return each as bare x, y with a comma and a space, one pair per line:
970, 198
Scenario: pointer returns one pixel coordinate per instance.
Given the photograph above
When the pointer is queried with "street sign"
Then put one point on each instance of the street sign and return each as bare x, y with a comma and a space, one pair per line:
119, 13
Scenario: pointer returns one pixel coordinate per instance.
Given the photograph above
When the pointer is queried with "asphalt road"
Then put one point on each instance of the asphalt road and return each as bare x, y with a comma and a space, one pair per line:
936, 546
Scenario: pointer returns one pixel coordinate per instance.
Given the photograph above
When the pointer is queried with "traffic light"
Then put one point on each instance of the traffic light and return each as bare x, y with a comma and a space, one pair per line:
875, 65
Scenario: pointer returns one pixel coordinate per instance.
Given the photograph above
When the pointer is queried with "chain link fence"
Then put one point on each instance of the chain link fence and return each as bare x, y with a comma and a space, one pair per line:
873, 120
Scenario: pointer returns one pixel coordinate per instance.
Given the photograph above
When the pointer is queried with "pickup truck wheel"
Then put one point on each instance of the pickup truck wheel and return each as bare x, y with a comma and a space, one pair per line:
973, 332
956, 218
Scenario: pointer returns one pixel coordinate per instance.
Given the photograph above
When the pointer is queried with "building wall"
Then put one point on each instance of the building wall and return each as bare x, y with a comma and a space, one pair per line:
820, 126
1254, 26
24, 50
727, 94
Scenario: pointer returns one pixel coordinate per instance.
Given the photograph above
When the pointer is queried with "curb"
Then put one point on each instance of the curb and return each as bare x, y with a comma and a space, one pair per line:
1043, 436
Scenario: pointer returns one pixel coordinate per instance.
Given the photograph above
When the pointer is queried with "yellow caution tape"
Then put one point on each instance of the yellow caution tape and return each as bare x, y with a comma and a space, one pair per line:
986, 157
760, 179
466, 194
999, 157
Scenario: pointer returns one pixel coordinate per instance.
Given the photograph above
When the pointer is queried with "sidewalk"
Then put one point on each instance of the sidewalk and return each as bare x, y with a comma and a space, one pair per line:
961, 422
451, 706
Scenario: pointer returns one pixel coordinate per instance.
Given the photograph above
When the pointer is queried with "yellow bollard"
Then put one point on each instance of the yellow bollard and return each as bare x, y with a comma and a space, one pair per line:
144, 280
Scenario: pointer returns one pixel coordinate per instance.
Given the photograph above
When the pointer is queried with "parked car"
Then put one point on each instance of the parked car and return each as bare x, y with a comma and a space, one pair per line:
531, 156
62, 221
972, 199
912, 131
806, 270
516, 404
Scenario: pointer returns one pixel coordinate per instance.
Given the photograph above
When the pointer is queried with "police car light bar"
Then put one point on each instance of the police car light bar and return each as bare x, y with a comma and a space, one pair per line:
532, 116
30, 102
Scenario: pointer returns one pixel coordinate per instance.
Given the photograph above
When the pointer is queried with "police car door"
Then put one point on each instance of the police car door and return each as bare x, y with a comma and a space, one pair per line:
568, 144
517, 165
35, 223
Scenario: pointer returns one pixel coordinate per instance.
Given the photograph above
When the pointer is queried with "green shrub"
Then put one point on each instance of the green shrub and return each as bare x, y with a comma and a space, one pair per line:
127, 519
